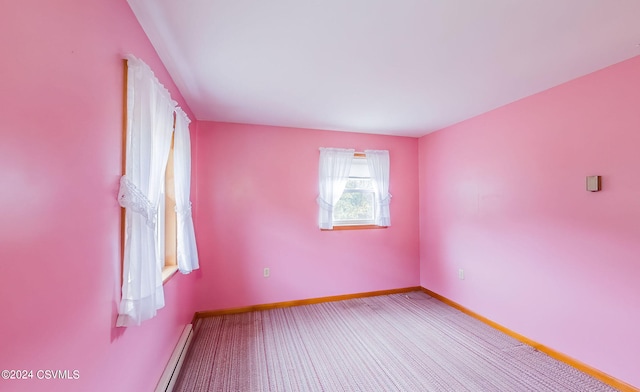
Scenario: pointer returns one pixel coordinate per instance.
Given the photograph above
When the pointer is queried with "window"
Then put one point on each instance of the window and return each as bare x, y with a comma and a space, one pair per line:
357, 204
354, 189
158, 235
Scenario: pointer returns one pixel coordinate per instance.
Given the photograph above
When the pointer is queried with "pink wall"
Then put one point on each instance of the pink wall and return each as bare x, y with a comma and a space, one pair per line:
503, 197
257, 187
61, 105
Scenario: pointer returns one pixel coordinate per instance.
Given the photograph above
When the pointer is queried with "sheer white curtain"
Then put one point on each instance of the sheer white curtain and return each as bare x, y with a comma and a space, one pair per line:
335, 164
378, 161
149, 128
187, 250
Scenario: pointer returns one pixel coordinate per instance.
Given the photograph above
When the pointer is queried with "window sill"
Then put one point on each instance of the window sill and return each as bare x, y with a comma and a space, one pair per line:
355, 227
167, 272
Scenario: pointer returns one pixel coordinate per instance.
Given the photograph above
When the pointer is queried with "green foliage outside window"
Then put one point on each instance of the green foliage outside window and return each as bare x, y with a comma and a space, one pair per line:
356, 205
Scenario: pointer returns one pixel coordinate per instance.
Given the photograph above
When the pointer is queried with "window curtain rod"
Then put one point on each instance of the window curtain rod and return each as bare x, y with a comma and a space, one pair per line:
356, 153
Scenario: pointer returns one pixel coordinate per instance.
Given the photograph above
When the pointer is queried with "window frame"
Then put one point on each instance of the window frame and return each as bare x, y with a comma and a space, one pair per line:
170, 219
357, 225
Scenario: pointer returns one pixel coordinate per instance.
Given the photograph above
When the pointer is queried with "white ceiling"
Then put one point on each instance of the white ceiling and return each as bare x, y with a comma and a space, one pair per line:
397, 67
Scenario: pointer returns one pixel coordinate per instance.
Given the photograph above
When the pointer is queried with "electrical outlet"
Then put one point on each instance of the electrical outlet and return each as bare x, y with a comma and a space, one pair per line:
461, 274
266, 272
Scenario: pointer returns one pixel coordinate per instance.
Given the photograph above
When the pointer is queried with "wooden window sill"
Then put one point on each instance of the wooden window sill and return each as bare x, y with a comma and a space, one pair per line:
355, 227
167, 272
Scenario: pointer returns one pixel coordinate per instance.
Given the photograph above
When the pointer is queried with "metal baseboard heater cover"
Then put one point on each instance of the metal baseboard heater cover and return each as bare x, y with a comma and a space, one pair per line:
171, 371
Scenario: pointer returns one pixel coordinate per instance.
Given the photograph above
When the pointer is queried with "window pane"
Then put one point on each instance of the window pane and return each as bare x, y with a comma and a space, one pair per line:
355, 206
359, 183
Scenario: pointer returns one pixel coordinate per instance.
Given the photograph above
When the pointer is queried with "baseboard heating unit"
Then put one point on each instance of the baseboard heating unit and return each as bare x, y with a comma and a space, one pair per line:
170, 374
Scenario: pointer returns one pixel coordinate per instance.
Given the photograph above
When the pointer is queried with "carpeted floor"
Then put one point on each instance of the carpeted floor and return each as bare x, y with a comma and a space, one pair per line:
399, 342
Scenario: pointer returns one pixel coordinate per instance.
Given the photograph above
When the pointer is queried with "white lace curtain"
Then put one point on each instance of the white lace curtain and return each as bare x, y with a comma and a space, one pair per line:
186, 241
149, 127
150, 122
378, 161
334, 167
